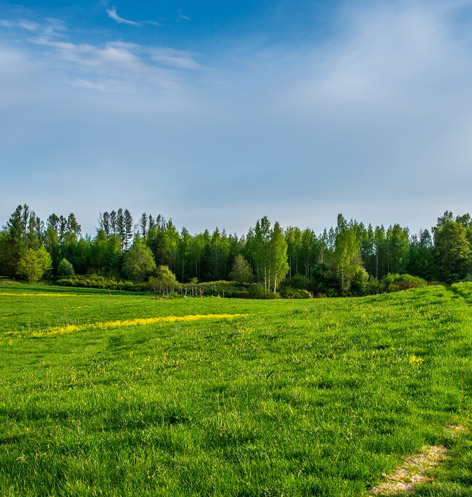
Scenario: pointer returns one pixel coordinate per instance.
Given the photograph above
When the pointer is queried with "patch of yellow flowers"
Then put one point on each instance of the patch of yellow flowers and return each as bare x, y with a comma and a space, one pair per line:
416, 360
43, 294
109, 325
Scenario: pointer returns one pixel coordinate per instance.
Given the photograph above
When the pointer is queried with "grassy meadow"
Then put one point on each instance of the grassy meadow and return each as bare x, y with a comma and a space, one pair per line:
125, 395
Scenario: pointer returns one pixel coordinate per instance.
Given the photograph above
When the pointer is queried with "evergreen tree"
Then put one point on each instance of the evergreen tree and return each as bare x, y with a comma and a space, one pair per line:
143, 223
128, 224
241, 271
113, 223
452, 251
121, 228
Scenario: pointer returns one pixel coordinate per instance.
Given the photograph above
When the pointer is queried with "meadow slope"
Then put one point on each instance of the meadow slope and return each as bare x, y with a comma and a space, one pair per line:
100, 396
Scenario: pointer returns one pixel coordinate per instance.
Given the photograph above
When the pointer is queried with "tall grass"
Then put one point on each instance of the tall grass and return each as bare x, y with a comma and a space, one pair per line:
312, 397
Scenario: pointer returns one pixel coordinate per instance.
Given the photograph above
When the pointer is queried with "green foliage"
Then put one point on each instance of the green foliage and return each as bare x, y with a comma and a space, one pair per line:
398, 248
325, 281
295, 293
360, 282
296, 287
257, 291
101, 282
346, 257
241, 271
278, 265
138, 262
24, 230
163, 281
223, 288
33, 264
397, 282
452, 251
337, 261
299, 281
65, 269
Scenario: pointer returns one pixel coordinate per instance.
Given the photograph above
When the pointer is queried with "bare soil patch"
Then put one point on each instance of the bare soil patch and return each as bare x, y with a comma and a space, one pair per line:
415, 468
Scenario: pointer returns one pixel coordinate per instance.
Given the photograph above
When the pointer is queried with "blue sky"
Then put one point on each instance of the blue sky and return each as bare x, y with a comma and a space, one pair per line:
217, 113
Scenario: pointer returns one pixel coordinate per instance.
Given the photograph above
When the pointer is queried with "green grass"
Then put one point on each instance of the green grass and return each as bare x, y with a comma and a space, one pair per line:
295, 398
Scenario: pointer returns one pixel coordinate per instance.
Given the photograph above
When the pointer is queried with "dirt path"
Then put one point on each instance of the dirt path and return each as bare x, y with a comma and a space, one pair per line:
414, 470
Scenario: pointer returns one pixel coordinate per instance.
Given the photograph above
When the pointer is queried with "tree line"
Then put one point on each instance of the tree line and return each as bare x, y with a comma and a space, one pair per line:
342, 260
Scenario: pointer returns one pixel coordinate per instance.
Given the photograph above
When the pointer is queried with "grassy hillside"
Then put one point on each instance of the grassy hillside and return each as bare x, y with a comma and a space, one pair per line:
314, 397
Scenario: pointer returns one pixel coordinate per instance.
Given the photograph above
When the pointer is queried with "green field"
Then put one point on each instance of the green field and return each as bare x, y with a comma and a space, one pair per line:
317, 397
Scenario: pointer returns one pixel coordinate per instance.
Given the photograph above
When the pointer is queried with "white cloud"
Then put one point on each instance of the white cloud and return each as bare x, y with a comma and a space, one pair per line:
181, 16
121, 20
119, 66
152, 23
365, 122
50, 28
21, 23
175, 58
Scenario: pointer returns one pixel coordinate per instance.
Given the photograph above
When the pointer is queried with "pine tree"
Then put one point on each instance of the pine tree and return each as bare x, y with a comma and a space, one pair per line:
121, 228
452, 251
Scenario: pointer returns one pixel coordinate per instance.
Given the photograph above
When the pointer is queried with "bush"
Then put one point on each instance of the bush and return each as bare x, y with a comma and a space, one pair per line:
359, 283
163, 281
101, 282
398, 282
298, 282
325, 281
295, 293
257, 291
65, 269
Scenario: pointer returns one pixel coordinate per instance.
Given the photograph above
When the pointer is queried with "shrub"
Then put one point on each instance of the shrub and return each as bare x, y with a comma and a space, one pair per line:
257, 291
164, 281
65, 269
101, 282
325, 280
359, 283
296, 293
397, 282
298, 281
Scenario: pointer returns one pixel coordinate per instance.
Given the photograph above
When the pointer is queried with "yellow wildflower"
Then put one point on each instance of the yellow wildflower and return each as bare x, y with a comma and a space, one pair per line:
43, 294
416, 360
108, 325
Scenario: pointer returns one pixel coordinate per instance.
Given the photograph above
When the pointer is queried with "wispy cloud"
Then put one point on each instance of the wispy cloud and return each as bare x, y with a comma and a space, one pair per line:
109, 67
152, 23
364, 121
49, 27
21, 23
179, 59
181, 16
121, 20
